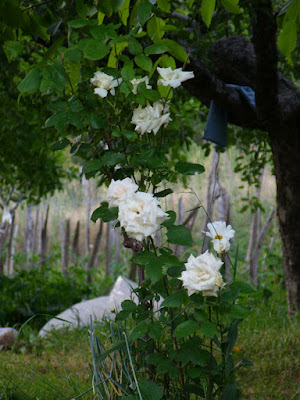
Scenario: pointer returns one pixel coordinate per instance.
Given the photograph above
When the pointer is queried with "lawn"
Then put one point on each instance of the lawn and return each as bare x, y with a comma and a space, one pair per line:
59, 367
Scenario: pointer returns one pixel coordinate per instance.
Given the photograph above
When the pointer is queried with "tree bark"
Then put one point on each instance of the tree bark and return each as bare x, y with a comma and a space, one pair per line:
75, 244
93, 256
108, 249
44, 239
65, 247
286, 152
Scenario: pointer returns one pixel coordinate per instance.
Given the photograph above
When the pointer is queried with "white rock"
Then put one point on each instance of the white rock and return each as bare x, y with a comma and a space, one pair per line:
7, 337
79, 314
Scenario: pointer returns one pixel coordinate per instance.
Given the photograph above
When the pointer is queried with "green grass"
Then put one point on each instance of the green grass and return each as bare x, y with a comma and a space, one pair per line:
270, 339
58, 368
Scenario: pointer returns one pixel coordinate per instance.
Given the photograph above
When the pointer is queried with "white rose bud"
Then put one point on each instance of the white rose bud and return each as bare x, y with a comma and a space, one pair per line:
119, 190
220, 234
135, 82
173, 77
202, 274
104, 83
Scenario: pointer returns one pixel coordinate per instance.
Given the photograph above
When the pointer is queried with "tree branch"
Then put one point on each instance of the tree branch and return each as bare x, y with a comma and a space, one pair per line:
264, 40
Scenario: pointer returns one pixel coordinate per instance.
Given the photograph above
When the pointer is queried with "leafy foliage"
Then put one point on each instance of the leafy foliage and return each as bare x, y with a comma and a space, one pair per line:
44, 291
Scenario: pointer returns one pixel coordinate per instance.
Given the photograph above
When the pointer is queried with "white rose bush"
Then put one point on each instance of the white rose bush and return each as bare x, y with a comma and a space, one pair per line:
116, 112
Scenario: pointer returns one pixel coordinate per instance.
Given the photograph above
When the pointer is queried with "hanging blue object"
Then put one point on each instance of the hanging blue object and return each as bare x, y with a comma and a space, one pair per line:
216, 127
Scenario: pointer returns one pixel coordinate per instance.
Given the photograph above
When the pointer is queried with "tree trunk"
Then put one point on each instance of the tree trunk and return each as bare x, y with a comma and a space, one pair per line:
87, 197
93, 256
28, 234
286, 152
13, 248
116, 242
75, 244
44, 239
210, 197
9, 245
65, 248
35, 231
256, 252
108, 249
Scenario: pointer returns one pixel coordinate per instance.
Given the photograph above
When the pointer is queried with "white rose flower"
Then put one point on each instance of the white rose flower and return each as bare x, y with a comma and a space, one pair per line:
151, 118
141, 216
220, 234
119, 190
173, 77
202, 274
136, 82
104, 83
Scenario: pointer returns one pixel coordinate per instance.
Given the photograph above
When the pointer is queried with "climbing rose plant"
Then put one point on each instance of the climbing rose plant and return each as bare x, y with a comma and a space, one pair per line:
110, 85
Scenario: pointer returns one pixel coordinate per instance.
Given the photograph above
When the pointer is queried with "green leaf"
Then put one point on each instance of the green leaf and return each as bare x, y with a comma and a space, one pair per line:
105, 213
176, 299
78, 23
163, 193
196, 389
187, 168
152, 158
13, 49
107, 7
171, 220
157, 48
231, 6
164, 5
238, 311
130, 135
155, 28
176, 50
200, 315
61, 144
170, 260
98, 121
154, 271
81, 8
95, 50
208, 329
207, 10
186, 328
144, 11
127, 71
143, 258
128, 305
179, 234
242, 287
112, 158
63, 118
31, 82
124, 11
230, 392
150, 390
91, 165
143, 62
155, 330
134, 47
287, 39
138, 331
